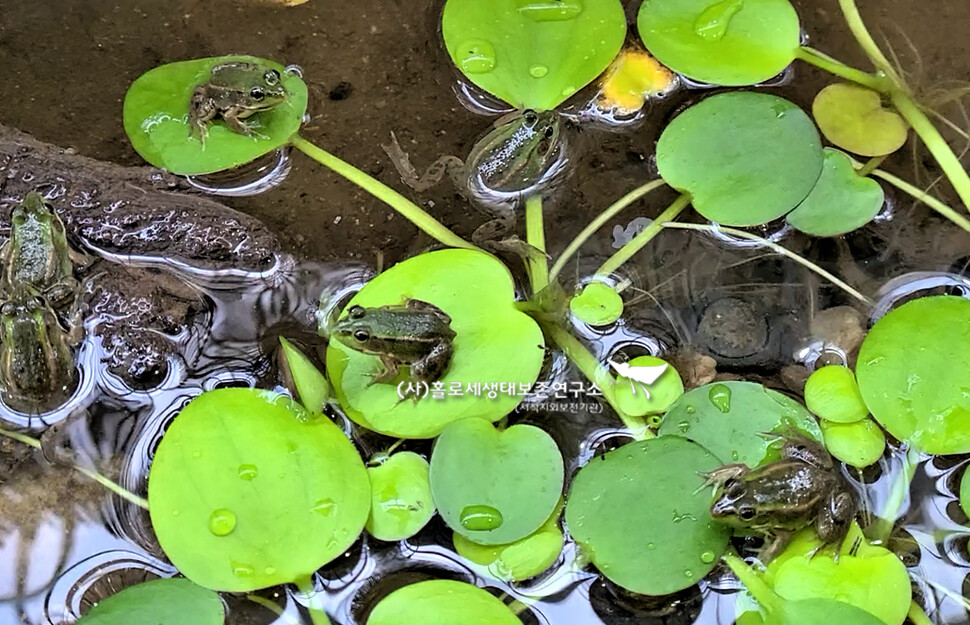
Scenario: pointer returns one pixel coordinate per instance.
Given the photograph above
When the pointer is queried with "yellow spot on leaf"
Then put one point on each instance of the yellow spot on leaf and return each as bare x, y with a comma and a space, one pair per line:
634, 77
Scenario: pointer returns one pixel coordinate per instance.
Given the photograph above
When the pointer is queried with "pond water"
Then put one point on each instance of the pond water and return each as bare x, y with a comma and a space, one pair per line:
374, 67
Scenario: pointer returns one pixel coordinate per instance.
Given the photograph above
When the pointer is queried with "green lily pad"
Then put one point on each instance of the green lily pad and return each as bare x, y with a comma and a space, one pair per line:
857, 444
853, 118
516, 481
965, 492
833, 394
156, 119
841, 201
746, 158
401, 501
729, 420
168, 601
914, 373
247, 491
498, 350
441, 602
632, 399
641, 515
723, 42
598, 304
533, 54
309, 385
820, 612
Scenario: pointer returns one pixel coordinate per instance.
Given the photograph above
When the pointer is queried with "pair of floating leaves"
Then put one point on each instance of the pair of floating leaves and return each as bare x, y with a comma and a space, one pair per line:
156, 113
441, 602
247, 491
494, 344
533, 54
850, 435
914, 373
159, 602
853, 118
401, 503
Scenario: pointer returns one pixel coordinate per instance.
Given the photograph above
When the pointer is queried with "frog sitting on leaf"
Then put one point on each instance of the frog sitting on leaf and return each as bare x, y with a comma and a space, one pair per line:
236, 90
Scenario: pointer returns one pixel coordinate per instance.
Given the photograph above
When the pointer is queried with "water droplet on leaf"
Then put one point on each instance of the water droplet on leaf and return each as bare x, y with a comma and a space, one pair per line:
477, 57
707, 557
480, 518
713, 21
240, 569
325, 506
550, 10
248, 472
538, 71
222, 522
720, 396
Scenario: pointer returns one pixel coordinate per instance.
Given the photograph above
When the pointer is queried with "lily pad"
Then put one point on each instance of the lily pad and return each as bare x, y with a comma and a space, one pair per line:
746, 158
498, 350
598, 304
853, 118
820, 612
723, 42
729, 419
156, 113
857, 444
641, 515
516, 480
632, 398
168, 601
307, 382
841, 201
247, 491
441, 602
533, 54
401, 501
833, 394
914, 373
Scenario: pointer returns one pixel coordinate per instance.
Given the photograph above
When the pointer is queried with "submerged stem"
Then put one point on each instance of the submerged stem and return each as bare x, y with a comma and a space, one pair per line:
637, 243
536, 237
925, 198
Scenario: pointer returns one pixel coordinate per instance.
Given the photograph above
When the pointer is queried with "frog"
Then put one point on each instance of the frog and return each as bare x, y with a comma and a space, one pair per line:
510, 161
236, 90
38, 255
781, 497
415, 333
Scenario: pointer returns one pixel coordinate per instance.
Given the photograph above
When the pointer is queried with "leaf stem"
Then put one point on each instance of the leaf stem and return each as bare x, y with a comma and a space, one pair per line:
408, 209
868, 44
917, 615
925, 198
637, 243
827, 63
317, 616
536, 237
870, 166
598, 223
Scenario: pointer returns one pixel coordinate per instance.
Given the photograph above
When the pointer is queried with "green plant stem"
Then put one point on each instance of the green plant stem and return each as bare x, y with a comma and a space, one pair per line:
94, 475
272, 607
635, 244
778, 249
870, 166
598, 223
752, 581
596, 373
925, 198
317, 616
827, 63
408, 209
883, 527
917, 615
536, 237
865, 40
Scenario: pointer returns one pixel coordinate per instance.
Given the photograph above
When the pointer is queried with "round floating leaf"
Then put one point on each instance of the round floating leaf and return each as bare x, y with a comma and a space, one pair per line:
746, 158
533, 54
401, 501
729, 420
821, 612
724, 42
841, 201
441, 602
156, 113
516, 481
914, 373
833, 394
494, 344
169, 601
965, 492
852, 117
248, 491
304, 378
641, 515
631, 395
857, 444
598, 305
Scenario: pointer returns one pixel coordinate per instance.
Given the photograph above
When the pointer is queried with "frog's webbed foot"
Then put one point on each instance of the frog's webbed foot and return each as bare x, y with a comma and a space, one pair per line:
775, 547
201, 111
410, 176
722, 474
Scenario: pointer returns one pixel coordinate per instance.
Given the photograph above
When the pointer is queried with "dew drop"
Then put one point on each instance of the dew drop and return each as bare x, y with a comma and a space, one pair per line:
480, 518
691, 410
324, 506
651, 546
476, 57
196, 454
269, 570
713, 21
222, 522
240, 569
707, 557
248, 472
538, 71
689, 574
568, 91
550, 10
684, 427
720, 396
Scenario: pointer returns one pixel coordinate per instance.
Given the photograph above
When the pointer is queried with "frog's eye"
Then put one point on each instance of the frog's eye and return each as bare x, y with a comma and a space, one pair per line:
356, 312
9, 309
530, 117
361, 335
549, 132
257, 93
746, 513
733, 486
272, 78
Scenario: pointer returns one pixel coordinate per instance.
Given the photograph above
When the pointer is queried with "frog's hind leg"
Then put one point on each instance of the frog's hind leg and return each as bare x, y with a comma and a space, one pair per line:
201, 111
433, 366
833, 520
410, 176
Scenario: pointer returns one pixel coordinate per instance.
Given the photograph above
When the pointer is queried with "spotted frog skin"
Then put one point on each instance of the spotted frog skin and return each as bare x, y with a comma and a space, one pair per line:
235, 91
777, 499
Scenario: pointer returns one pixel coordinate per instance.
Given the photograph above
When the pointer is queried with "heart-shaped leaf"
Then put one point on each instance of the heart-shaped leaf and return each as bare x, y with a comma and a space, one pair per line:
533, 54
167, 601
156, 113
841, 201
598, 304
723, 42
852, 117
441, 602
746, 158
401, 501
857, 444
920, 394
641, 515
248, 491
833, 394
514, 486
498, 350
631, 395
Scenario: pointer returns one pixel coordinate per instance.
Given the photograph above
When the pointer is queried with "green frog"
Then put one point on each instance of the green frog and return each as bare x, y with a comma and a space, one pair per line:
37, 253
416, 333
781, 497
503, 165
235, 91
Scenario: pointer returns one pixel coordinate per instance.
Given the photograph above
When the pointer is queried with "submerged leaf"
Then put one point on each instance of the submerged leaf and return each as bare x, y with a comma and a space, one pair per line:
598, 304
167, 601
853, 118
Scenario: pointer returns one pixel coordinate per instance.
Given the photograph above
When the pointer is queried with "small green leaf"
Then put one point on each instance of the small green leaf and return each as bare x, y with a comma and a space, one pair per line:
914, 373
641, 515
857, 444
247, 491
311, 387
401, 501
516, 480
598, 305
533, 54
833, 394
441, 602
167, 601
820, 612
632, 399
841, 201
852, 117
746, 158
723, 42
965, 492
156, 119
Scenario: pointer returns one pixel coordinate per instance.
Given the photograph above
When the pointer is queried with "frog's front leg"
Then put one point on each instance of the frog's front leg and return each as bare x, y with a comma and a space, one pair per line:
832, 523
433, 366
432, 176
721, 475
234, 119
389, 369
202, 110
779, 541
